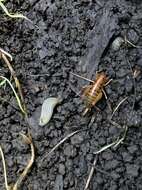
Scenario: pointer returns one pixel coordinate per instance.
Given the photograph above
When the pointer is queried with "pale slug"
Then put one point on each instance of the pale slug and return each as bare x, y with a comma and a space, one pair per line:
47, 110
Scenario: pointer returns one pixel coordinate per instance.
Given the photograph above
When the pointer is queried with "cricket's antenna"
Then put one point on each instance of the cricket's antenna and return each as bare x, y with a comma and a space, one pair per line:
81, 77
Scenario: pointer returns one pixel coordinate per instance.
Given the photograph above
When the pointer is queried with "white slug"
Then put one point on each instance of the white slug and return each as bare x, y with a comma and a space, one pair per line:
116, 44
47, 110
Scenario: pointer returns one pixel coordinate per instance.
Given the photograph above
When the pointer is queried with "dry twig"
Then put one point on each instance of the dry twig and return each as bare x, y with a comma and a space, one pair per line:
123, 100
106, 147
91, 173
17, 97
28, 140
4, 169
61, 142
113, 144
3, 55
123, 137
11, 15
116, 108
134, 82
16, 186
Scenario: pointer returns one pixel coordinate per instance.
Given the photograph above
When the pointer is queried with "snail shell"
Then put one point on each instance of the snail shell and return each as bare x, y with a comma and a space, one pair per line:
117, 43
47, 110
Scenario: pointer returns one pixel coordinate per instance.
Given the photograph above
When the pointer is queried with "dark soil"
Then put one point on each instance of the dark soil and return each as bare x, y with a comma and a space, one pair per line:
73, 36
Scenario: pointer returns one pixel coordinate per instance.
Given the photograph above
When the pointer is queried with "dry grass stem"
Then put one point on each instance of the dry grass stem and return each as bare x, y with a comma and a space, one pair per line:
91, 173
117, 107
15, 78
106, 147
115, 124
123, 137
134, 83
61, 142
123, 100
6, 53
11, 15
2, 83
3, 56
16, 186
17, 97
28, 140
4, 169
114, 145
127, 42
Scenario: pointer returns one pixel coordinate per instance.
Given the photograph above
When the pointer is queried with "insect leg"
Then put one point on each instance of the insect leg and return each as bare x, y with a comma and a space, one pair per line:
108, 82
104, 94
85, 111
108, 103
98, 109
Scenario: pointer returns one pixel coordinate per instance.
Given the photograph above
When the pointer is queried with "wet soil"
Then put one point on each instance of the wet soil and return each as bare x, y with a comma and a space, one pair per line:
73, 36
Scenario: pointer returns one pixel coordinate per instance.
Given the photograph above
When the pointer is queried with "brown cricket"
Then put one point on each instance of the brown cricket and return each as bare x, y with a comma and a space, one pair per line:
92, 93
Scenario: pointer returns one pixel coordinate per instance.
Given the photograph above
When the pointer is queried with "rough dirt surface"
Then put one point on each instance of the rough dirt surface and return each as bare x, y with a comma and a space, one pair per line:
73, 36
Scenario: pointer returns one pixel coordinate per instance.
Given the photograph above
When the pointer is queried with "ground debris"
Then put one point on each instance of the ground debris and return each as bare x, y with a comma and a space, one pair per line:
99, 39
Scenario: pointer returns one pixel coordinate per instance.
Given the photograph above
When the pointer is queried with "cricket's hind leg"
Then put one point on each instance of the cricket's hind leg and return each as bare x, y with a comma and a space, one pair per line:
108, 103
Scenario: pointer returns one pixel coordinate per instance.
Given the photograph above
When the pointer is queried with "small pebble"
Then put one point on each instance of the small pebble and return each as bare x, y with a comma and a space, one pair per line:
132, 170
76, 139
58, 183
62, 169
116, 44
